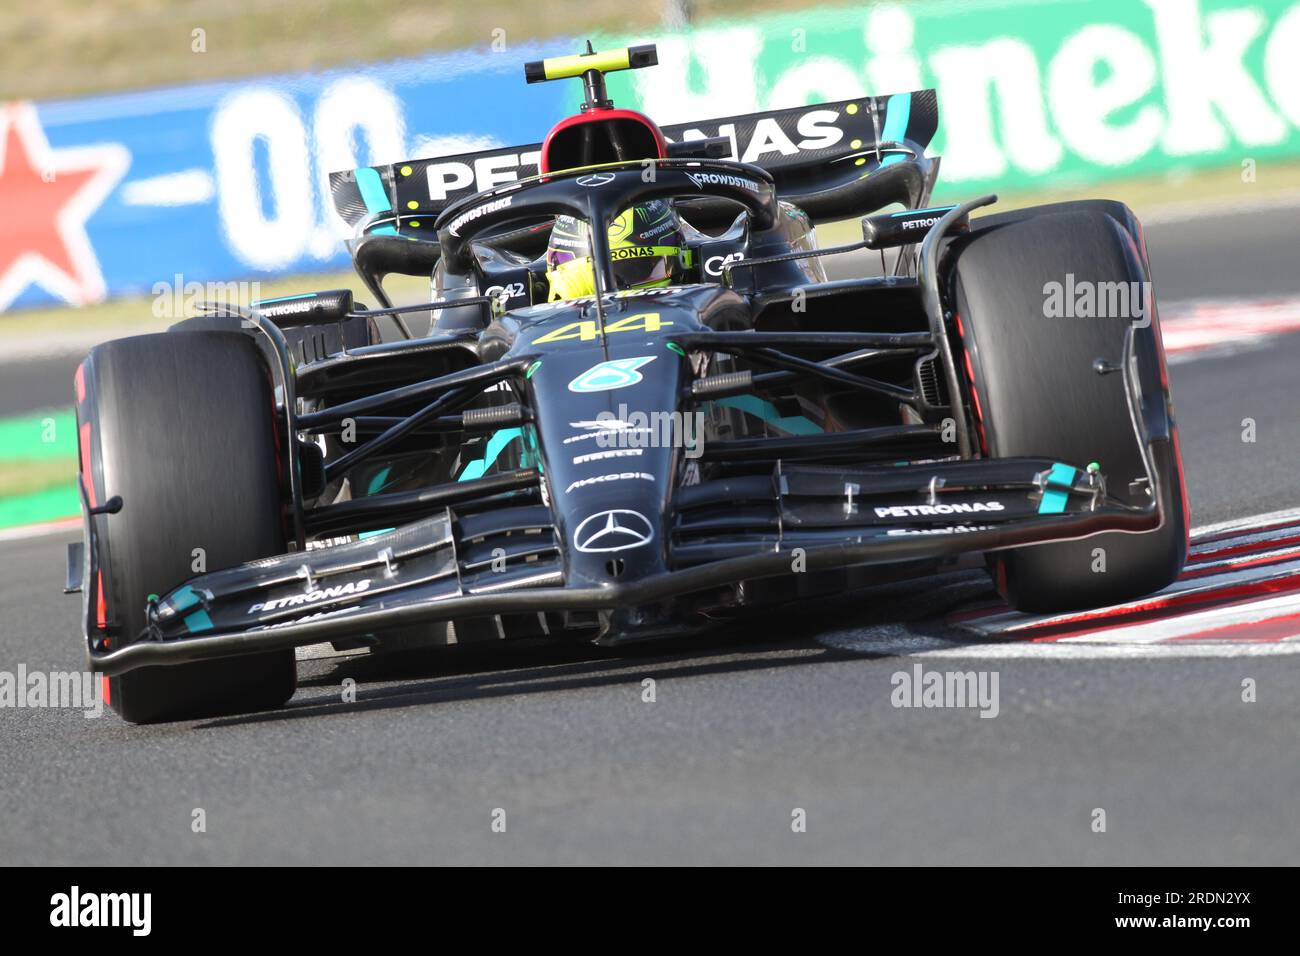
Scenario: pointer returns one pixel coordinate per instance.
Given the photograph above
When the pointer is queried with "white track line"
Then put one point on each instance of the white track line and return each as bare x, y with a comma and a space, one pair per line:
1178, 212
1003, 633
886, 645
1258, 559
1246, 524
23, 532
1206, 328
1196, 622
35, 345
1008, 622
1203, 551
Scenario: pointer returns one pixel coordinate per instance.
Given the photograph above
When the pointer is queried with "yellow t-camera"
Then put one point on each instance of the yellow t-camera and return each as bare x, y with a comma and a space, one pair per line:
603, 61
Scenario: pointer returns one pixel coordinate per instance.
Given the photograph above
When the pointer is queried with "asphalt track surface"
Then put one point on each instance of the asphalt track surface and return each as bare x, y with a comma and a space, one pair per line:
745, 727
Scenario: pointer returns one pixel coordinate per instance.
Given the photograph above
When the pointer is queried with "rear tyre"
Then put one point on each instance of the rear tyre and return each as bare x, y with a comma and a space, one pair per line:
1039, 395
182, 428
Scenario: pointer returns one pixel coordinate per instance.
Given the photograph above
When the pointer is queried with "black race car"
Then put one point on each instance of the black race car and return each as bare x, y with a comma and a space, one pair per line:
650, 458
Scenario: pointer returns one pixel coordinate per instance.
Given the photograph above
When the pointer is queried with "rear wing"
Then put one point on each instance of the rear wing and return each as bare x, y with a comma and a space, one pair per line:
821, 157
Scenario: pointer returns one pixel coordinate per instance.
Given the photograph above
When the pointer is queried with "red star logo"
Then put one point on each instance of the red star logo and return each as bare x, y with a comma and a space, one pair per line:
46, 196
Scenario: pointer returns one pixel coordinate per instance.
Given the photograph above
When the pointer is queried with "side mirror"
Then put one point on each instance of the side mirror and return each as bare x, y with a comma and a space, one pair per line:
310, 308
888, 229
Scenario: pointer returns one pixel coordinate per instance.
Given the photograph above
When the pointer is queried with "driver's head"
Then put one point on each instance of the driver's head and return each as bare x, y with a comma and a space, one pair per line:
645, 244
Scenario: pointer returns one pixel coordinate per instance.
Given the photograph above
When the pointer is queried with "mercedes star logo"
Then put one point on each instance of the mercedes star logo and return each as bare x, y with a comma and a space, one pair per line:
595, 179
615, 530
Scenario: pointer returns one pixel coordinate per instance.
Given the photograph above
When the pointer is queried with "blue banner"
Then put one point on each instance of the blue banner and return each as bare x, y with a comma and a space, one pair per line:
109, 195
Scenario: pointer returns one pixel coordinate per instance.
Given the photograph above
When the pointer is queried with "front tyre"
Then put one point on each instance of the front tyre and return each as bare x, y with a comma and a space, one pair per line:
1038, 394
182, 428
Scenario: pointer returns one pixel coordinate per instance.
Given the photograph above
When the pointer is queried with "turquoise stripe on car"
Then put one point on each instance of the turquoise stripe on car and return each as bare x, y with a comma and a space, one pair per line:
184, 599
1055, 498
897, 114
495, 446
918, 212
753, 405
379, 480
197, 621
372, 190
287, 298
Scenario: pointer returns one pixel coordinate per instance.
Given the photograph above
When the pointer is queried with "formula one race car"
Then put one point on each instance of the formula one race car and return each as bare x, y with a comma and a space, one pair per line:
639, 408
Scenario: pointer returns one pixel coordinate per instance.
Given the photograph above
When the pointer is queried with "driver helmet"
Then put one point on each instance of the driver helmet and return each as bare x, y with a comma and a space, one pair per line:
645, 244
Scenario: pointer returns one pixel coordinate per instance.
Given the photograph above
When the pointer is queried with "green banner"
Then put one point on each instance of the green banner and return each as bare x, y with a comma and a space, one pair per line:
1032, 93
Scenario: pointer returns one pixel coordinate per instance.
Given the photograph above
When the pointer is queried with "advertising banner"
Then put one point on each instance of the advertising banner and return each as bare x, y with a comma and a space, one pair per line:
110, 195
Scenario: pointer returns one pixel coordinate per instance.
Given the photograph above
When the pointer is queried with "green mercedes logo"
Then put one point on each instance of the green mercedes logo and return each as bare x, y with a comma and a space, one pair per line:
617, 373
